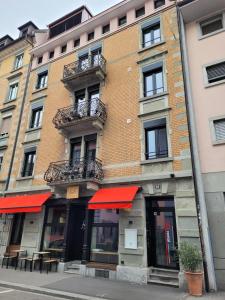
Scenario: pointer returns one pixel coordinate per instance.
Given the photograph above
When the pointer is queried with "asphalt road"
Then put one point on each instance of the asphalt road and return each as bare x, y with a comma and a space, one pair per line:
10, 294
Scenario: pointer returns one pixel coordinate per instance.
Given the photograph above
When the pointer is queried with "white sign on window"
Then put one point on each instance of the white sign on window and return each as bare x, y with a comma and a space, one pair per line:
130, 238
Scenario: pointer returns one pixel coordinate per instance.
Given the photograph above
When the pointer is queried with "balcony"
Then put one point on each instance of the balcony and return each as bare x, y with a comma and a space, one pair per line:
64, 173
86, 115
90, 69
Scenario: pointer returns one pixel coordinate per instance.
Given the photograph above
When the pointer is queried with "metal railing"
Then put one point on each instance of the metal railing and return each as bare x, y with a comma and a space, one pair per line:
84, 64
155, 91
156, 154
93, 108
66, 171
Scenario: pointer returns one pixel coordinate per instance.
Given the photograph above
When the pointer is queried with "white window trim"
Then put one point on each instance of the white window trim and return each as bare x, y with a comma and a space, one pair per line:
199, 29
14, 65
213, 131
205, 75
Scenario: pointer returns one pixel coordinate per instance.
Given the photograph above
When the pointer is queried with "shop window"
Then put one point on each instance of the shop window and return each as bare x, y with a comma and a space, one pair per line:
156, 139
42, 80
36, 117
212, 24
104, 241
28, 164
54, 227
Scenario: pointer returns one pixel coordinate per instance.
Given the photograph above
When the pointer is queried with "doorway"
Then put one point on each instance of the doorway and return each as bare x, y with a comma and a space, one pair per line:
17, 230
76, 229
161, 233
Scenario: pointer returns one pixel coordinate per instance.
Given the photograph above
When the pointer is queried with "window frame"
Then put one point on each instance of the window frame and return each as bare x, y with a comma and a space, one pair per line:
38, 85
40, 60
120, 20
90, 36
201, 35
1, 161
151, 29
107, 27
11, 85
78, 43
213, 130
28, 171
205, 74
63, 49
33, 117
5, 134
51, 54
140, 11
16, 66
155, 1
153, 72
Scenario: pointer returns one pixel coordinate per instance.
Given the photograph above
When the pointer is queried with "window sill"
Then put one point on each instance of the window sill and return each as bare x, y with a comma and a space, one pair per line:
33, 129
202, 37
9, 101
39, 90
156, 160
217, 143
10, 107
24, 178
154, 97
151, 47
15, 70
5, 136
14, 75
208, 85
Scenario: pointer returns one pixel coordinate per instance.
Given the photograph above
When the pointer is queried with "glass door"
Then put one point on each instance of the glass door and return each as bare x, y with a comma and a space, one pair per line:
93, 97
161, 233
90, 154
80, 104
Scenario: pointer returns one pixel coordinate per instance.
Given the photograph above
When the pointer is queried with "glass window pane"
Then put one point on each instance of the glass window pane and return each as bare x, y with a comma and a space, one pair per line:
149, 85
104, 239
159, 82
162, 143
156, 35
151, 146
106, 216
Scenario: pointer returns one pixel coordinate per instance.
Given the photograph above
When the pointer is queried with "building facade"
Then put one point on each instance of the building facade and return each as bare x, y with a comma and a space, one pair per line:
104, 143
203, 29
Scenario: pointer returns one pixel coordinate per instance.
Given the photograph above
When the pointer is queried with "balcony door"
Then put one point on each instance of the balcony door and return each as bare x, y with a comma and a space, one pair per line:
80, 107
75, 151
93, 96
90, 154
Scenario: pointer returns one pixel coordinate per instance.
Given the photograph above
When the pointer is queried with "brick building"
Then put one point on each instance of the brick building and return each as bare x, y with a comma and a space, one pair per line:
104, 143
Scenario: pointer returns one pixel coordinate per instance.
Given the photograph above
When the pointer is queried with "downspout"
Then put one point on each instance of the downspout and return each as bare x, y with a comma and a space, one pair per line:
19, 123
208, 263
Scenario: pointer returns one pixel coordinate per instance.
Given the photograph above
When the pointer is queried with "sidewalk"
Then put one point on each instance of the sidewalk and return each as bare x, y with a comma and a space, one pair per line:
74, 287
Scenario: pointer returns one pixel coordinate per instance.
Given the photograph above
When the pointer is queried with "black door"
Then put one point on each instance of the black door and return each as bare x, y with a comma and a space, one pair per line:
76, 232
75, 153
93, 98
17, 229
90, 154
161, 233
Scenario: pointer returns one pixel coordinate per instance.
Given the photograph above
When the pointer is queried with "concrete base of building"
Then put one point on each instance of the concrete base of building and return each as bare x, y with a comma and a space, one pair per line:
132, 274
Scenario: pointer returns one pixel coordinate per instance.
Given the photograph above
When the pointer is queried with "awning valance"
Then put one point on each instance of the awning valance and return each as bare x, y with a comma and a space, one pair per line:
23, 203
113, 198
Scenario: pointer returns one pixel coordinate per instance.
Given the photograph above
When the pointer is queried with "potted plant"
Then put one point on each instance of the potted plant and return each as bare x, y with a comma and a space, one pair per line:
191, 259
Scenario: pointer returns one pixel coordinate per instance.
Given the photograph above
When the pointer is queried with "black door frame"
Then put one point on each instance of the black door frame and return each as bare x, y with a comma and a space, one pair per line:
150, 228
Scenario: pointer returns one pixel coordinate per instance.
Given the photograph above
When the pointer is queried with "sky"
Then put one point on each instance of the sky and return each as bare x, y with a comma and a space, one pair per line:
14, 13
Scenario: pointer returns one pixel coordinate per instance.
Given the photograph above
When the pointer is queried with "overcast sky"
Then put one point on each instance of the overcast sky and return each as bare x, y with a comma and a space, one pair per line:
14, 13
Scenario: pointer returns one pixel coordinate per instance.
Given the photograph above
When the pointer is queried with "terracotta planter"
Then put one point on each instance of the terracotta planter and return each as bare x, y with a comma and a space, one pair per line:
195, 283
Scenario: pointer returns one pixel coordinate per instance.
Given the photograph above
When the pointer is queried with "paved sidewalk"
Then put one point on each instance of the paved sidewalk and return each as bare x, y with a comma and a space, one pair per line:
69, 286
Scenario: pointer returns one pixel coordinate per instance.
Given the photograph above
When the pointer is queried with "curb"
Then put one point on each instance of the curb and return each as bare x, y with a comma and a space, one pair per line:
48, 292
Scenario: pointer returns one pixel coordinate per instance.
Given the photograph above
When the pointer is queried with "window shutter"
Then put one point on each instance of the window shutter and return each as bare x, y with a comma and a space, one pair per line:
220, 129
216, 72
5, 126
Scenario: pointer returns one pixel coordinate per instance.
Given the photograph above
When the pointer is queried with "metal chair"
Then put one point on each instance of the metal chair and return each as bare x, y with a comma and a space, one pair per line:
7, 257
32, 261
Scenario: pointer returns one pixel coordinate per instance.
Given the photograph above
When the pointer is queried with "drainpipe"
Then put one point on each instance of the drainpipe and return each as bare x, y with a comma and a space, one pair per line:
210, 278
19, 122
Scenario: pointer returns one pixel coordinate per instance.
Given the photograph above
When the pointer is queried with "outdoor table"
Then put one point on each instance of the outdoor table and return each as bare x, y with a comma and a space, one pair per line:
56, 250
41, 254
17, 256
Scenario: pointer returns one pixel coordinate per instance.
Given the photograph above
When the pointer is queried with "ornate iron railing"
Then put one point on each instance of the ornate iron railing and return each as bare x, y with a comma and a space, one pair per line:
66, 171
93, 108
84, 64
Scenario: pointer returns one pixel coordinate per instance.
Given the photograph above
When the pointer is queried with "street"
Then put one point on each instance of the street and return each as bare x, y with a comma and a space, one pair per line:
11, 294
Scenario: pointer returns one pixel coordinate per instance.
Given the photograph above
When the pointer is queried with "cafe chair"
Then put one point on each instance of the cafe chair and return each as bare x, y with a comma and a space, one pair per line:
48, 261
7, 257
21, 260
31, 261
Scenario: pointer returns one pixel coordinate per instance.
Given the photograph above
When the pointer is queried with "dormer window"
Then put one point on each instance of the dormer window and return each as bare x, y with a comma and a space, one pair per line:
63, 48
91, 36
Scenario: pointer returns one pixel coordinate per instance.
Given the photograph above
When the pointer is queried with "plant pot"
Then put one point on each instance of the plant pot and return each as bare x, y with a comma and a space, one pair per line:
195, 283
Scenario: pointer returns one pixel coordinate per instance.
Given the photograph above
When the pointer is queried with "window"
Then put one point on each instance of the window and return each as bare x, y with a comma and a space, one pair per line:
212, 24
105, 28
42, 80
91, 36
219, 126
51, 54
40, 58
63, 48
36, 117
76, 43
105, 232
151, 35
2, 45
17, 229
18, 61
54, 228
1, 162
13, 89
140, 12
158, 3
156, 139
153, 82
5, 126
122, 20
216, 72
28, 166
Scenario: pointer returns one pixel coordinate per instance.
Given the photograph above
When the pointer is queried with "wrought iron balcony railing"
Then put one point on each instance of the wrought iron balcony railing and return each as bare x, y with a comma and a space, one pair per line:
65, 172
93, 108
84, 64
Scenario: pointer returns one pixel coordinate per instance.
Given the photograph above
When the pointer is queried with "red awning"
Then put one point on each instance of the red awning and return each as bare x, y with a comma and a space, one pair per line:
113, 198
23, 203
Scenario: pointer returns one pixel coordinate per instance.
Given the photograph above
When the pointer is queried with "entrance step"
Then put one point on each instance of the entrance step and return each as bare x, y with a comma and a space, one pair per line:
73, 268
163, 277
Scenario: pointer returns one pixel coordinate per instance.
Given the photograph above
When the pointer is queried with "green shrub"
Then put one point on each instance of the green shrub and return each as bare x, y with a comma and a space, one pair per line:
190, 257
